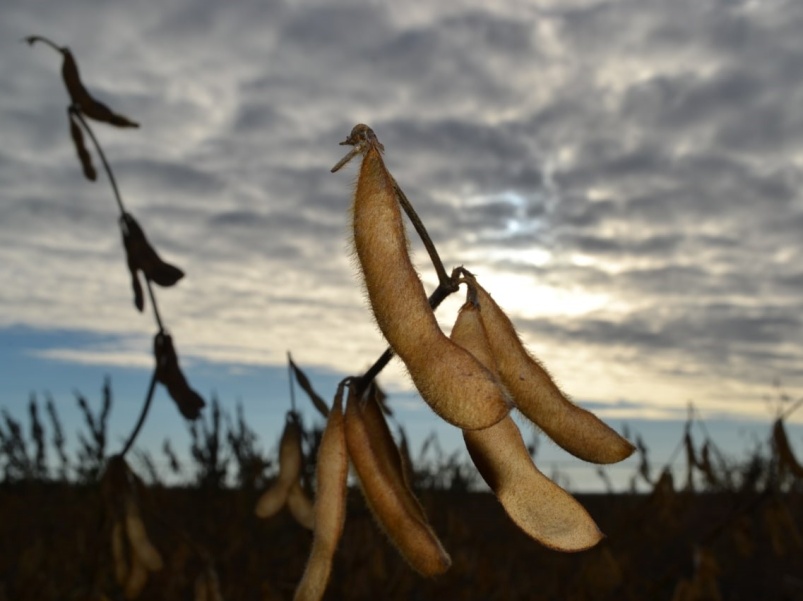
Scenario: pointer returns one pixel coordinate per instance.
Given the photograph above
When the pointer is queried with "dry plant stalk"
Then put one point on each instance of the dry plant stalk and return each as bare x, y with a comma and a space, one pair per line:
330, 504
388, 496
536, 395
457, 387
786, 456
707, 467
306, 386
537, 505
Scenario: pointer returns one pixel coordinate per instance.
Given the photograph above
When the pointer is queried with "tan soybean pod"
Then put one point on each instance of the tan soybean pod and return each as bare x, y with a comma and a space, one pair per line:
330, 505
300, 506
414, 539
273, 499
141, 545
137, 578
387, 453
118, 552
450, 380
536, 395
537, 505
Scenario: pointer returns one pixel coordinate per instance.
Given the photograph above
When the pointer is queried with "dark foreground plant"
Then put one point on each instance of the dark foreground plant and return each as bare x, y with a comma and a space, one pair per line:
141, 258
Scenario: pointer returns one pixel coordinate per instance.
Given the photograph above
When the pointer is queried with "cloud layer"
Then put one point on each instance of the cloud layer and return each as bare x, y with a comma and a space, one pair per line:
623, 175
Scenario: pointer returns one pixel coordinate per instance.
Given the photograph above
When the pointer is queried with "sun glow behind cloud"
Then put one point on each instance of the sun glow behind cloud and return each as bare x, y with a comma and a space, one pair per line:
629, 194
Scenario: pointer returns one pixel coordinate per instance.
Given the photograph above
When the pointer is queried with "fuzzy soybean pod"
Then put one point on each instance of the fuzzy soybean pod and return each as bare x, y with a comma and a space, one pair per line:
136, 580
290, 458
450, 380
537, 505
301, 506
119, 552
414, 539
388, 455
331, 474
536, 395
141, 545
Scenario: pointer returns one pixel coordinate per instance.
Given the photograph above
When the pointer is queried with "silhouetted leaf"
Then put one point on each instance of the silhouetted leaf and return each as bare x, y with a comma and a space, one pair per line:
80, 148
80, 97
142, 257
169, 373
304, 382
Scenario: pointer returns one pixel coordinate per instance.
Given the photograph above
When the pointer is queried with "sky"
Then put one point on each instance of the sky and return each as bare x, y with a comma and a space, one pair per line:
623, 176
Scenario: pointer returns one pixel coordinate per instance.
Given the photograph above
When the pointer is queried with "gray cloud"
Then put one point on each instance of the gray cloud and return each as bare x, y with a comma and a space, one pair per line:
644, 154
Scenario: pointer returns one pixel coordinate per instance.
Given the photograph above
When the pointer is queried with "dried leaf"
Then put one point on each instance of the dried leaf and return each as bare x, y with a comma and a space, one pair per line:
82, 99
77, 136
169, 373
142, 257
304, 382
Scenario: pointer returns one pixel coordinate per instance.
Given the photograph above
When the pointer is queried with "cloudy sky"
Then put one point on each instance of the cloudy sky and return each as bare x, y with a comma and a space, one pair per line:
623, 176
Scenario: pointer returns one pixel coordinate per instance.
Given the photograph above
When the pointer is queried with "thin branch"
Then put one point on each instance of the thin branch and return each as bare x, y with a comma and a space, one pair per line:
77, 114
443, 277
790, 410
31, 39
143, 414
435, 299
154, 305
291, 378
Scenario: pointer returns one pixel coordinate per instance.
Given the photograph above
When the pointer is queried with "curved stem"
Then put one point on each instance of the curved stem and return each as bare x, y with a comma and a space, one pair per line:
443, 277
435, 299
143, 414
77, 114
790, 410
291, 378
31, 39
154, 305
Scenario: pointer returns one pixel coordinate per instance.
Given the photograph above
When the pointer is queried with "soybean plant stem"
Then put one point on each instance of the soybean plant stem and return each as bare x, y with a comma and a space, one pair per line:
443, 278
436, 298
791, 409
77, 114
154, 305
143, 414
291, 377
